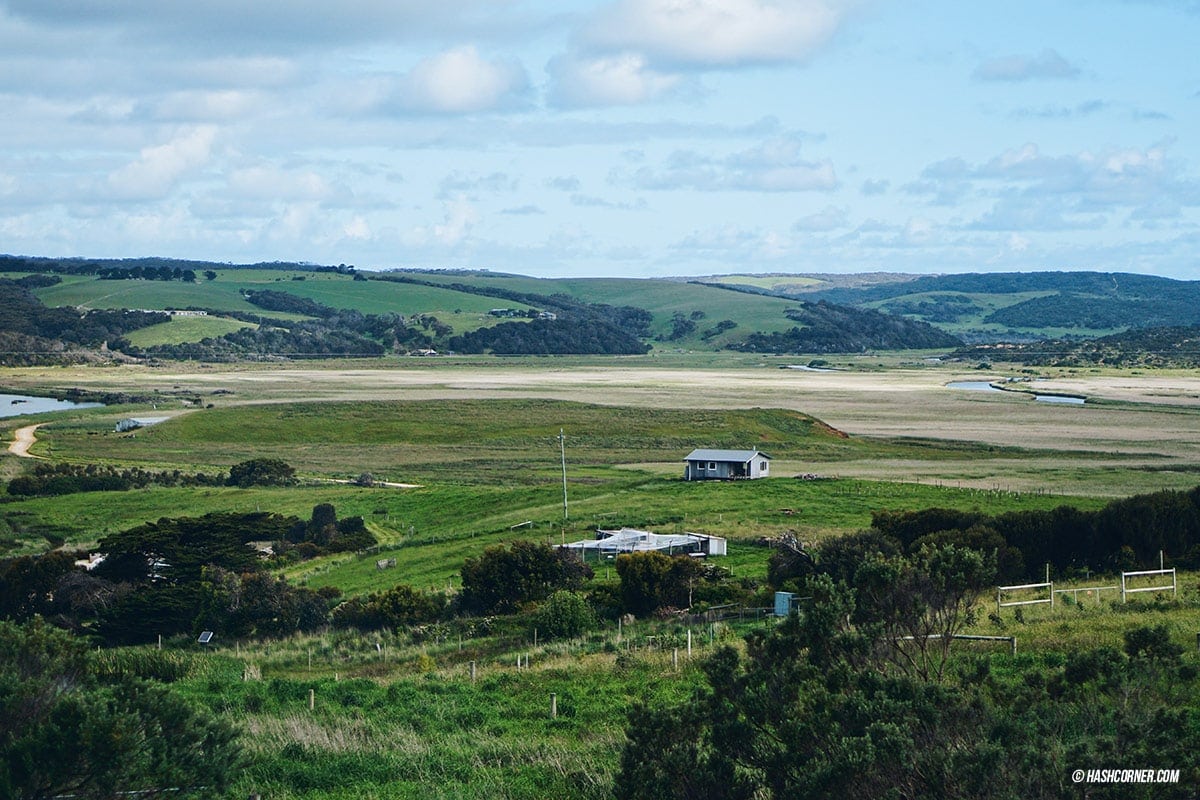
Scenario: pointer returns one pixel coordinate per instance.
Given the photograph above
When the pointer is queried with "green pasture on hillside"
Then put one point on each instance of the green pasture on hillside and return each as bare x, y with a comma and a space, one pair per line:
186, 329
85, 291
661, 298
464, 312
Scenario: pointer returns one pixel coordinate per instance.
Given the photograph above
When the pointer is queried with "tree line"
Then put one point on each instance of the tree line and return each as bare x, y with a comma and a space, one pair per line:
138, 273
1126, 534
1176, 347
829, 328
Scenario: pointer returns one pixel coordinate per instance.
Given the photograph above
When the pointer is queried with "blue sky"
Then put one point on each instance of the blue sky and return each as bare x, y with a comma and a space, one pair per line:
618, 137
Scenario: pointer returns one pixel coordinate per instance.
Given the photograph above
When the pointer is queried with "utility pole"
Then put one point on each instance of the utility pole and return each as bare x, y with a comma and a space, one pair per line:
562, 448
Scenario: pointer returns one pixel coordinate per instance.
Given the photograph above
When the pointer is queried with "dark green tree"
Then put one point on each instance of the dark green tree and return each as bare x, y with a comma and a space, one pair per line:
502, 579
650, 581
563, 615
69, 730
261, 472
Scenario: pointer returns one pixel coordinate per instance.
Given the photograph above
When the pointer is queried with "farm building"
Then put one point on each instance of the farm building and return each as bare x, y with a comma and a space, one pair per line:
133, 423
705, 465
630, 540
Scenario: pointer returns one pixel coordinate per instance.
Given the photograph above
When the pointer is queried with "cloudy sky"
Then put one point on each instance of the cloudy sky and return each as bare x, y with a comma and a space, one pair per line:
607, 137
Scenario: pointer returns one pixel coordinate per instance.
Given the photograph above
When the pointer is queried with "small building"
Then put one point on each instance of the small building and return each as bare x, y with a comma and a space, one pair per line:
610, 543
133, 423
707, 465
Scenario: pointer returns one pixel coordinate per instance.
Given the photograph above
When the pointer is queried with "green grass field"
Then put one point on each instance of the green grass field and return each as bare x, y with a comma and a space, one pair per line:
463, 312
661, 298
396, 713
186, 329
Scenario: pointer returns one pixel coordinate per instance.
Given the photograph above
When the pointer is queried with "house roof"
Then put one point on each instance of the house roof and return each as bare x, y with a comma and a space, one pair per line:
740, 456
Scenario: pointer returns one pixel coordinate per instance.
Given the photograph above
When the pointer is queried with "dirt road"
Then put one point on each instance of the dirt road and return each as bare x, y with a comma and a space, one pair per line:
23, 439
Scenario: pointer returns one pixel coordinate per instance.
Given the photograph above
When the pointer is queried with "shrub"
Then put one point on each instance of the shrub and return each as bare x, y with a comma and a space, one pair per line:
564, 615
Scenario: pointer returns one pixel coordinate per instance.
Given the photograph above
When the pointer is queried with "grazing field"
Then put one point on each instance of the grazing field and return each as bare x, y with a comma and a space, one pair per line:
186, 329
464, 312
395, 713
661, 298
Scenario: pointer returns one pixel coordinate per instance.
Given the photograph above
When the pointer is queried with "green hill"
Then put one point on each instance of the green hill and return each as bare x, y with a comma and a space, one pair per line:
1172, 347
1027, 305
460, 310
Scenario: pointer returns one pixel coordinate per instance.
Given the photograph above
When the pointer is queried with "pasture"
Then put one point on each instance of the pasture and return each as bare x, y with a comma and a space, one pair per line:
396, 714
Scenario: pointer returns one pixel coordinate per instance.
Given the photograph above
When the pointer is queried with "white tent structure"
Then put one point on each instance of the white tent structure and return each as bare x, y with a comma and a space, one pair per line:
609, 543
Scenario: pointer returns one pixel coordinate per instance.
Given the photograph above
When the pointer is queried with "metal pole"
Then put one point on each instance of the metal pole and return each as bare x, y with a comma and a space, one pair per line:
562, 447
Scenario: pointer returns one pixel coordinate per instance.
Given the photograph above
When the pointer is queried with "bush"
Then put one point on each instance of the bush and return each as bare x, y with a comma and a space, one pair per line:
261, 472
504, 579
564, 615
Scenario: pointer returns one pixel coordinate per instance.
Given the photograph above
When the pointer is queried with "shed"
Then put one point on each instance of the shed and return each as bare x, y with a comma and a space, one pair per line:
726, 464
630, 540
133, 423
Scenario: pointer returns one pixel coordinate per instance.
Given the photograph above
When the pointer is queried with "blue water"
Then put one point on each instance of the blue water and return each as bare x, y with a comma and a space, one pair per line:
16, 405
973, 386
1053, 398
986, 386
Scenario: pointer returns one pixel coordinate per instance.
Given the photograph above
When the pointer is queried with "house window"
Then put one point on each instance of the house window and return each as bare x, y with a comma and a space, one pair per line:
712, 465
762, 465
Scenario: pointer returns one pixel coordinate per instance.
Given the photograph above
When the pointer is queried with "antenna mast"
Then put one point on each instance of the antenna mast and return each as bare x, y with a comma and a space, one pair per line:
562, 447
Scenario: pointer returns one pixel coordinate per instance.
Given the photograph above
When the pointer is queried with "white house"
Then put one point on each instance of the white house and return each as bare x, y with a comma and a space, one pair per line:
726, 465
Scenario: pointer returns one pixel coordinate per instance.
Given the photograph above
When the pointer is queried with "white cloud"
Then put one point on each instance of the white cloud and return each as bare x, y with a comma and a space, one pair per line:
357, 228
460, 81
457, 182
717, 32
607, 80
773, 166
272, 183
157, 169
208, 106
827, 219
461, 216
269, 23
1046, 65
1030, 190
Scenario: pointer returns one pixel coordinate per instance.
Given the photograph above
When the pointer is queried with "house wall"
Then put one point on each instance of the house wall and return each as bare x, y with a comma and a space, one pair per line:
698, 470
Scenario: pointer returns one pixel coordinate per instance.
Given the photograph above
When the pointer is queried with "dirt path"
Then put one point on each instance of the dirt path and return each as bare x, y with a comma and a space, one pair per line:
23, 439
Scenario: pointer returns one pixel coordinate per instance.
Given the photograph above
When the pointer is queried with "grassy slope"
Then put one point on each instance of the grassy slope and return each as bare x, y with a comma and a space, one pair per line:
186, 329
486, 466
463, 312
498, 442
661, 298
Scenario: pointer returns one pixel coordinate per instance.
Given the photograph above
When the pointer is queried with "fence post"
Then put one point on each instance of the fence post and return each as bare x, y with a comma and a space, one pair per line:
675, 654
472, 672
312, 699
553, 706
689, 644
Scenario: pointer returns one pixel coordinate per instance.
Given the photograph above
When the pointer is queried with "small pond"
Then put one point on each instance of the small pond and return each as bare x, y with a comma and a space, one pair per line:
15, 405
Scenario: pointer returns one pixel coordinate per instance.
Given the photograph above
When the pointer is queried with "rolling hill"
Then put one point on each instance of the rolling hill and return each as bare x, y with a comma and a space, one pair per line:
1012, 306
339, 311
